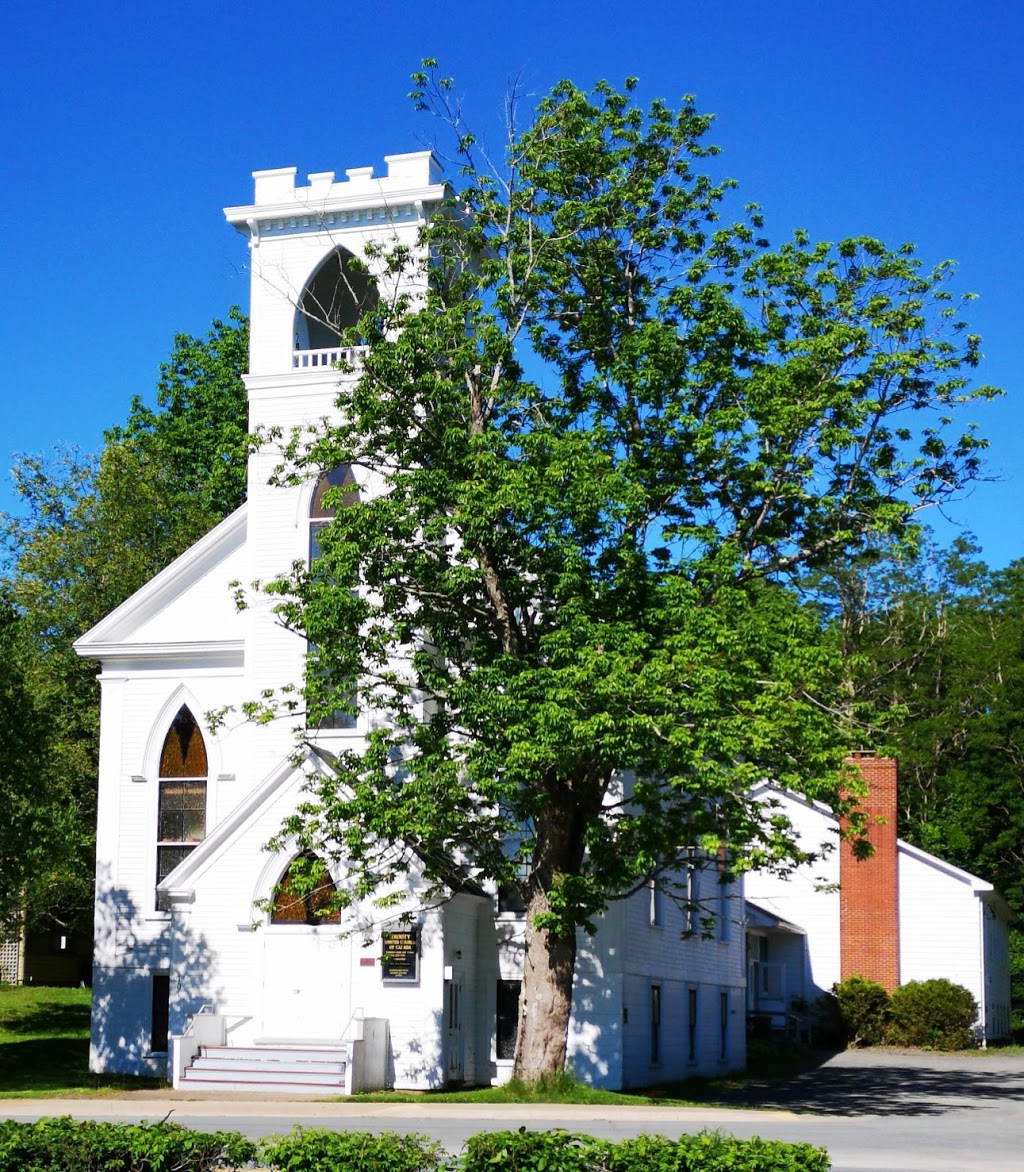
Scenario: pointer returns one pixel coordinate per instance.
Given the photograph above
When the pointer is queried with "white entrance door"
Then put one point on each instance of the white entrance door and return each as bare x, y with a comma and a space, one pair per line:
305, 984
454, 1044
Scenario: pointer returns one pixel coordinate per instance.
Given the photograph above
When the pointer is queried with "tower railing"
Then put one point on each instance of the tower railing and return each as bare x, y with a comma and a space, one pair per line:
333, 356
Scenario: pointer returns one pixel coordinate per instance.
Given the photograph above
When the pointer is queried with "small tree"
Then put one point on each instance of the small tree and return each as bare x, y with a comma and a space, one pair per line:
609, 430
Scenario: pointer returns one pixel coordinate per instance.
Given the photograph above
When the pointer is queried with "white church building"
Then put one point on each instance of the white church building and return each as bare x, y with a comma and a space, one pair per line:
205, 967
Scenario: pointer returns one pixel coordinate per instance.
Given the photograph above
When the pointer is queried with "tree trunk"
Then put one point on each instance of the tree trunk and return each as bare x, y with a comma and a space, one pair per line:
549, 958
548, 965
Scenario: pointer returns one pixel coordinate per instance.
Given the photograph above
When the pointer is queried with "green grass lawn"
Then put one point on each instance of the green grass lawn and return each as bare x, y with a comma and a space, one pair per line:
44, 1045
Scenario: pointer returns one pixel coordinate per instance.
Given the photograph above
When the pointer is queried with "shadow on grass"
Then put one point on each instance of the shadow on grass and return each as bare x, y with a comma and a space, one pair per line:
41, 1066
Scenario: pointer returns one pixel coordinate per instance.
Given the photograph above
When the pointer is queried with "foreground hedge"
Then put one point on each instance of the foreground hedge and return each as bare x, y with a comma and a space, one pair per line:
546, 1151
317, 1150
64, 1145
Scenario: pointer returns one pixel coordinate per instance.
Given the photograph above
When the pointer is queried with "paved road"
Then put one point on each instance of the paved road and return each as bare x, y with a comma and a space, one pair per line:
874, 1112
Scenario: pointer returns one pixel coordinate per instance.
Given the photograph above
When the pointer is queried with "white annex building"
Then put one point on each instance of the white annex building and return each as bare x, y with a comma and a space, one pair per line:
902, 915
205, 967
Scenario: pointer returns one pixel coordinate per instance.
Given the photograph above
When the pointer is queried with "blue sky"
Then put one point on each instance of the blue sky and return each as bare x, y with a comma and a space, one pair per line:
125, 128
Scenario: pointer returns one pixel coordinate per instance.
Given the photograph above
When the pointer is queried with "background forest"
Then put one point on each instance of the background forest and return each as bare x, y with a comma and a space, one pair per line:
932, 642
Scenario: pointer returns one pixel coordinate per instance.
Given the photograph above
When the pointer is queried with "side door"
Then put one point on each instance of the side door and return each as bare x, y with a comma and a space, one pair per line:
454, 1041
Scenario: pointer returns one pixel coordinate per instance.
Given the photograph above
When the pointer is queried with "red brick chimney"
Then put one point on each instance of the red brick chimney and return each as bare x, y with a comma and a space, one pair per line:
869, 915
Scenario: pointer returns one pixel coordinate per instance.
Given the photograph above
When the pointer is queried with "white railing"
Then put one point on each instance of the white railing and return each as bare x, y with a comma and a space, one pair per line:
203, 1028
332, 357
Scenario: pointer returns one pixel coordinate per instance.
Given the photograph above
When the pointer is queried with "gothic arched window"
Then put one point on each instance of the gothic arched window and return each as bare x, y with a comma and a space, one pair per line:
181, 821
304, 894
321, 515
336, 297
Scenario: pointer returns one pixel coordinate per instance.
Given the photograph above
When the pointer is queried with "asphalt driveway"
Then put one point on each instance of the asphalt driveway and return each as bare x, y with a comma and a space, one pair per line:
892, 1082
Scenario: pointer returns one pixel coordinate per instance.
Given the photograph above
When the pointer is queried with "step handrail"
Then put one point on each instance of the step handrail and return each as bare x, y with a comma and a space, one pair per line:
205, 1027
357, 1014
207, 1007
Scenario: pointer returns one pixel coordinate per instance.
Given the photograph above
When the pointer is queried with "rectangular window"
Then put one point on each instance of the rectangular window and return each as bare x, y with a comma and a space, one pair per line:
510, 900
723, 1025
691, 1025
182, 810
337, 718
693, 917
181, 821
160, 1013
655, 909
724, 926
655, 1024
508, 1018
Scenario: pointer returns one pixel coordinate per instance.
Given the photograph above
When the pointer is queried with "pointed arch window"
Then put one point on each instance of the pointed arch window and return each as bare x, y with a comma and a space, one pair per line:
304, 894
321, 514
336, 296
181, 820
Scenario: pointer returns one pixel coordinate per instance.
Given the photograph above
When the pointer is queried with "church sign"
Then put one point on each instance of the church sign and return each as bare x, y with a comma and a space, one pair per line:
400, 956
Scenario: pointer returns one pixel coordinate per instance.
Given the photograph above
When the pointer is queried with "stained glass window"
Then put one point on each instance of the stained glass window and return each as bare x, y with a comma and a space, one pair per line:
181, 820
304, 894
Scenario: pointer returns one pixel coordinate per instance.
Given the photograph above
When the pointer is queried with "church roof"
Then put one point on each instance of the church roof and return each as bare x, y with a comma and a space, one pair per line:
187, 611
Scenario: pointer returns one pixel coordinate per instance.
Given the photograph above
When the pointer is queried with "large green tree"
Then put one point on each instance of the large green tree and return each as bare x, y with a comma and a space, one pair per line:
91, 530
197, 430
38, 835
915, 628
933, 649
609, 429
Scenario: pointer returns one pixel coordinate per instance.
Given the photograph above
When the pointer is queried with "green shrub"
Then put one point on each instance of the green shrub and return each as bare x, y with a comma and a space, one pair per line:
936, 1014
540, 1151
863, 1010
316, 1150
714, 1152
66, 1145
534, 1151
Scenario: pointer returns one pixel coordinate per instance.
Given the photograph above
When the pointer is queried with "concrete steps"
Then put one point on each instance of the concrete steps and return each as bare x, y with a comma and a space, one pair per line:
299, 1068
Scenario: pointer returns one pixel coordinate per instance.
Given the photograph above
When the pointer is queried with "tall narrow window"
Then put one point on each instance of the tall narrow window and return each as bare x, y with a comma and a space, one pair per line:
182, 810
160, 1013
723, 1025
304, 894
655, 905
724, 925
655, 1024
508, 1018
691, 1025
320, 516
693, 909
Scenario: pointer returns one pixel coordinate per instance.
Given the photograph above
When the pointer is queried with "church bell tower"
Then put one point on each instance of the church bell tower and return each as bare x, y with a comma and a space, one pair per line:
311, 279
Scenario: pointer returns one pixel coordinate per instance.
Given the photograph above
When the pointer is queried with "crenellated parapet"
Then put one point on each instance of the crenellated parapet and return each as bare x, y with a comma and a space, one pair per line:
412, 183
